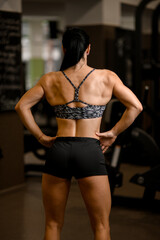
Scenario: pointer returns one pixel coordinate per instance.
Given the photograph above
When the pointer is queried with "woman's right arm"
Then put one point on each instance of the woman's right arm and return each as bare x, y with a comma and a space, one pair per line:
133, 109
23, 108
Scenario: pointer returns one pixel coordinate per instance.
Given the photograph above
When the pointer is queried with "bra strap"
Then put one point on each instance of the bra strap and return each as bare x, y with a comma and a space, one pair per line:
77, 89
85, 77
69, 80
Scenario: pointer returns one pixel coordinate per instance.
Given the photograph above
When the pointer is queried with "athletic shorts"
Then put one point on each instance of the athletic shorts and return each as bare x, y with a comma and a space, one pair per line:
75, 156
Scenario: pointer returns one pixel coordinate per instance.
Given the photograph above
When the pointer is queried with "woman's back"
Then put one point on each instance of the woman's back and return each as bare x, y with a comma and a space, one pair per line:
96, 89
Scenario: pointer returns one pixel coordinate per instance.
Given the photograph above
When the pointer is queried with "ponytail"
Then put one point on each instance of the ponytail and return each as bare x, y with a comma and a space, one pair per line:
75, 41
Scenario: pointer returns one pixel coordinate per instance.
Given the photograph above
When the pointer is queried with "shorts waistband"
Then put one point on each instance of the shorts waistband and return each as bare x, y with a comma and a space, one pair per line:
77, 139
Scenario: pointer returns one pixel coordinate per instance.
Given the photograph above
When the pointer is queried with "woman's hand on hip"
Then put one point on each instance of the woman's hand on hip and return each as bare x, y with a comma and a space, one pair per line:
106, 139
46, 141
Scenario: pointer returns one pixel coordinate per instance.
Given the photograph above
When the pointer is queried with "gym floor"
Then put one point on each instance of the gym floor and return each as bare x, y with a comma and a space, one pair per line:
22, 215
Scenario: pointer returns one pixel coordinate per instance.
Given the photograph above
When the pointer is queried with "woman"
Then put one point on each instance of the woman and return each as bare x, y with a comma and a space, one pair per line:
78, 94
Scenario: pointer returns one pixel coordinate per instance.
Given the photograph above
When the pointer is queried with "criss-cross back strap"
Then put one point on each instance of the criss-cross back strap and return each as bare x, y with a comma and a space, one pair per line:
77, 89
69, 80
85, 77
82, 80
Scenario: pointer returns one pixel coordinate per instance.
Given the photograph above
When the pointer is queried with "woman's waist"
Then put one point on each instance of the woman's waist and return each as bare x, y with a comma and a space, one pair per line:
77, 139
80, 128
77, 133
70, 134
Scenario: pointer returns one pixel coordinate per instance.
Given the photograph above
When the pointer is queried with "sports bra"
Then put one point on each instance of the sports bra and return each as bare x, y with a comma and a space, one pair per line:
90, 111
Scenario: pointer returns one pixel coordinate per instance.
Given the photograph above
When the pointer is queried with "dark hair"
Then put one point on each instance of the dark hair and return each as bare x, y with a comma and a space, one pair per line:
75, 41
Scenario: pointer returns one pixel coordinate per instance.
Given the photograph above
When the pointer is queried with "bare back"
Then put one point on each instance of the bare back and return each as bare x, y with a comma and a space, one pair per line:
96, 90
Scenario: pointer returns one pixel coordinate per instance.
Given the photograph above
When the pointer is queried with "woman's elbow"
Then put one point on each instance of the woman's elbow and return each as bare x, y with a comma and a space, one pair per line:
136, 109
139, 108
18, 107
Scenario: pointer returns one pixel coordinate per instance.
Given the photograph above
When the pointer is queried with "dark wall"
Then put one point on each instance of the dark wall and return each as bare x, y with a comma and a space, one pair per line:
11, 145
11, 130
101, 38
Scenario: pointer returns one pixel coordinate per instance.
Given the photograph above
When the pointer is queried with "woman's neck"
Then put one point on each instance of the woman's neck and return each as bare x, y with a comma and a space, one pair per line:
81, 64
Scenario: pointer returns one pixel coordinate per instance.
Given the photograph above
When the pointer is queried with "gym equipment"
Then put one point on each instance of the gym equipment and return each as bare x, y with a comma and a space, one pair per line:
151, 153
151, 70
134, 146
113, 111
150, 179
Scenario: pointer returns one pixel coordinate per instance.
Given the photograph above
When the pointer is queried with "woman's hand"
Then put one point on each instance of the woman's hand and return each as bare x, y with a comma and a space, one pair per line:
106, 139
46, 141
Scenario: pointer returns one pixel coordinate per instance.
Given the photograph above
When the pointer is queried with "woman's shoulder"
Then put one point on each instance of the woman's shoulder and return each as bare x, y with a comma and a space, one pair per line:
108, 75
50, 75
48, 78
105, 71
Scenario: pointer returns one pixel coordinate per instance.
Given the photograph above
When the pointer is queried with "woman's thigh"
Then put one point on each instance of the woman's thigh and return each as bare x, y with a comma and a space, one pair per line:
95, 191
55, 193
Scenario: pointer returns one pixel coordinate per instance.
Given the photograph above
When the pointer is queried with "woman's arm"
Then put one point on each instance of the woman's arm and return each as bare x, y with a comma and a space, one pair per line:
23, 108
130, 101
133, 109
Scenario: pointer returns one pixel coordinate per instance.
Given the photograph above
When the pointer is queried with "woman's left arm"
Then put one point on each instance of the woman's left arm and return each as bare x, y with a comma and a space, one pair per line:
23, 108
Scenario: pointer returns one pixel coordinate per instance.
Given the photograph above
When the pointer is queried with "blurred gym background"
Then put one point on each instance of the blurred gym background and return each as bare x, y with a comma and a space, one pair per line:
125, 37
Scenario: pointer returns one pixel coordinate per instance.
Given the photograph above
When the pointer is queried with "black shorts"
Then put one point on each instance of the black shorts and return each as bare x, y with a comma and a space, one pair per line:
75, 156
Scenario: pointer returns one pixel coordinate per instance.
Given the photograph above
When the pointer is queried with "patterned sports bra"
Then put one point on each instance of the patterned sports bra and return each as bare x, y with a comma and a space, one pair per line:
90, 111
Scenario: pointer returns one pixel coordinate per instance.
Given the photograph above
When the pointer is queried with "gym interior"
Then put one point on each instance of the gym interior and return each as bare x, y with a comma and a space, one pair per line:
125, 37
